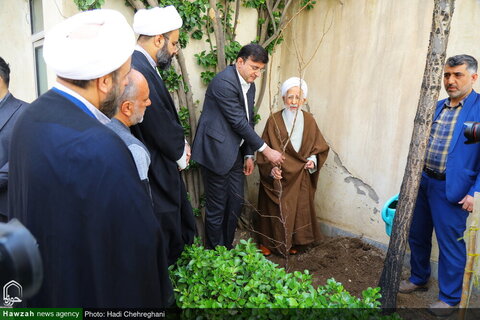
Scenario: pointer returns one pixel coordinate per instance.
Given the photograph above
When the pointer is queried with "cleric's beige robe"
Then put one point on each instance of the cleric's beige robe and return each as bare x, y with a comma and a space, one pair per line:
291, 221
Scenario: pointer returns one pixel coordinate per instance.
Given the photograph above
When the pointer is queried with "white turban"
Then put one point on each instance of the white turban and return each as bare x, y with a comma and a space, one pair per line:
151, 22
89, 45
295, 82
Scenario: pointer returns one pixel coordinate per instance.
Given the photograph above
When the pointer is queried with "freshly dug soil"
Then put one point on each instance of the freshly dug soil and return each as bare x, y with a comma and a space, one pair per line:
357, 265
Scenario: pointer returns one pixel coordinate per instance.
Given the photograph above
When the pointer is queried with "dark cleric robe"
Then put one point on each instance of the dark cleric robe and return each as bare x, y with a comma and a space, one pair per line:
74, 185
163, 135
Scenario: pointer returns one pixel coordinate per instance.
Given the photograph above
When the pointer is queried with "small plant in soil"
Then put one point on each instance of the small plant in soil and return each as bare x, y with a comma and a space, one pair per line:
243, 278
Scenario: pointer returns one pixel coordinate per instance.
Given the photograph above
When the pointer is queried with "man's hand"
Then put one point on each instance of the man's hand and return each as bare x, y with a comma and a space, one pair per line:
248, 166
467, 203
310, 164
276, 173
275, 157
188, 152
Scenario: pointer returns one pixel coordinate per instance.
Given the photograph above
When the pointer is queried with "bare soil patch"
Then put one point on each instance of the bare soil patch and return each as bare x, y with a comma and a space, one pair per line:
357, 265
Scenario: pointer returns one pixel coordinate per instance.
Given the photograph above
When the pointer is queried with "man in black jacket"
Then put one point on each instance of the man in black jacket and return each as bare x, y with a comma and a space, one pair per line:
10, 110
161, 130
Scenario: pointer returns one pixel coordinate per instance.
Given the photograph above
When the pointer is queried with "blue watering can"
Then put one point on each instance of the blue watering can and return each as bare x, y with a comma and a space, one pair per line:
388, 213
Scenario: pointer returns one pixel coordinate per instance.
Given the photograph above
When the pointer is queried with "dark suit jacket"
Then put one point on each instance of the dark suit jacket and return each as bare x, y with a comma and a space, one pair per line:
223, 124
163, 136
10, 110
463, 160
73, 183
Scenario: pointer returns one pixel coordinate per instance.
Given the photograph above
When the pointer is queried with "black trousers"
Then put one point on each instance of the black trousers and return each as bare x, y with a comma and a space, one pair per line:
224, 200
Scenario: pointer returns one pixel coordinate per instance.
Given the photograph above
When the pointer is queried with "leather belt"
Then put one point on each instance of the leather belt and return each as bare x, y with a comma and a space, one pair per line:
434, 174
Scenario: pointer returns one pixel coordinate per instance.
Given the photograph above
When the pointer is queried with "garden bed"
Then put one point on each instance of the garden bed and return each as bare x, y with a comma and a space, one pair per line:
357, 265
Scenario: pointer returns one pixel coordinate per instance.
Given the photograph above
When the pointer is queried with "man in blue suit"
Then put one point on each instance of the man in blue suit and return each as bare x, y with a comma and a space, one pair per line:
10, 110
449, 180
225, 143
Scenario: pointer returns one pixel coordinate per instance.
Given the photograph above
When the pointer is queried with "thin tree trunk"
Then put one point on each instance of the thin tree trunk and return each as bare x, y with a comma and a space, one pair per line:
432, 82
189, 94
153, 3
137, 4
192, 178
471, 257
237, 12
219, 36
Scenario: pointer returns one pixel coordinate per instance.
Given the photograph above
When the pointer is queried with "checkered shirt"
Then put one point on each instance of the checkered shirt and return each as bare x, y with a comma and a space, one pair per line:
441, 136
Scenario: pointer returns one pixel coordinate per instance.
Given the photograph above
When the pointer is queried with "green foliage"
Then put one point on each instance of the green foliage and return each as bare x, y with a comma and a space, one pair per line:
309, 4
231, 51
256, 118
207, 76
207, 60
171, 78
203, 198
193, 16
184, 116
255, 4
84, 5
244, 278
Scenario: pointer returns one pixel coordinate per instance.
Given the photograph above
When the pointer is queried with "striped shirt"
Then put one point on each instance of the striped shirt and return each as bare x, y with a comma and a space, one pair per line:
441, 136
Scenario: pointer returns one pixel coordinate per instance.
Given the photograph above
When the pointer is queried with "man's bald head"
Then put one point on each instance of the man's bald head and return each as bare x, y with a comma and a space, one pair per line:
134, 100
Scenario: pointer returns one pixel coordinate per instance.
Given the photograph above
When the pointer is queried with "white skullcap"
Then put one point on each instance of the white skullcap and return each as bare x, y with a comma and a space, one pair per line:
295, 82
151, 22
89, 45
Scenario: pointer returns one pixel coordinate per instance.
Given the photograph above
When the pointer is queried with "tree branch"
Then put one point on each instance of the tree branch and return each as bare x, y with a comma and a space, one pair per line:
219, 36
152, 3
136, 4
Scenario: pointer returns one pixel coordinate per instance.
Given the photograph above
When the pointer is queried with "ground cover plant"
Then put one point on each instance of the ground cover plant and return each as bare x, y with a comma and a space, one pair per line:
243, 278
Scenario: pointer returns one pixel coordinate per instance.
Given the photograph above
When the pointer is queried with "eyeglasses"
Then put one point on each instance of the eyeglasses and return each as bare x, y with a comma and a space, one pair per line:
254, 68
176, 44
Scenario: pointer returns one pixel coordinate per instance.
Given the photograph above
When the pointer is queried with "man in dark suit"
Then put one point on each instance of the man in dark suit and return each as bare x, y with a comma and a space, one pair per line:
449, 180
226, 141
73, 181
161, 131
10, 110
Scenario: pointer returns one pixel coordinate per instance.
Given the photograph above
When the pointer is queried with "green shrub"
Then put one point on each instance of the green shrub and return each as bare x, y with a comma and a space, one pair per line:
243, 278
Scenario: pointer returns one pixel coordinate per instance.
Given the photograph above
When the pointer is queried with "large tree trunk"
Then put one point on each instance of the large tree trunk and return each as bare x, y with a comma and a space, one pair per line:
432, 81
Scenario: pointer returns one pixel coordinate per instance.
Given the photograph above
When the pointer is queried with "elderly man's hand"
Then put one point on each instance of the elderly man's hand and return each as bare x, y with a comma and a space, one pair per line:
276, 173
467, 203
310, 164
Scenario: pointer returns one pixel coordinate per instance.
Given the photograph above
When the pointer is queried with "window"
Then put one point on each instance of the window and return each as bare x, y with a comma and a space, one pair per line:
36, 22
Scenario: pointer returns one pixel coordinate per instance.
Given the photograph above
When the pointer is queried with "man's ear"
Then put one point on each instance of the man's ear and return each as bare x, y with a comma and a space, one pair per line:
127, 108
159, 40
475, 77
105, 83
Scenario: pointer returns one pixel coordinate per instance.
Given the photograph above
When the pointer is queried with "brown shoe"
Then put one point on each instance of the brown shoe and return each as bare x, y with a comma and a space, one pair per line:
265, 251
408, 287
441, 309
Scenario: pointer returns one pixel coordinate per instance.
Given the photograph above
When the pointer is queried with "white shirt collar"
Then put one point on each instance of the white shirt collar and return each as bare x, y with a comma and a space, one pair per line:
97, 113
149, 57
243, 83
